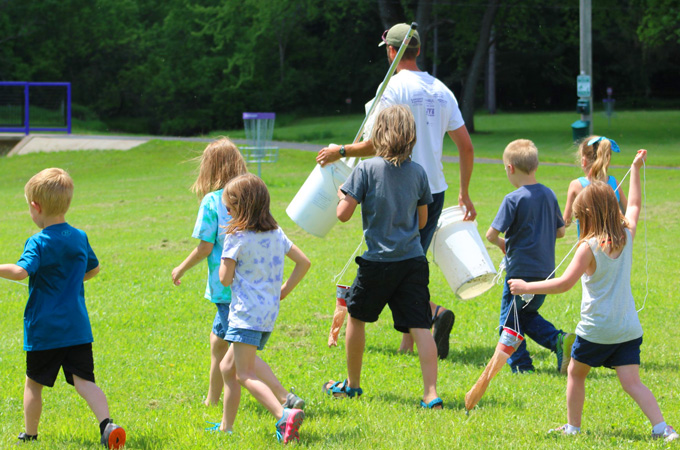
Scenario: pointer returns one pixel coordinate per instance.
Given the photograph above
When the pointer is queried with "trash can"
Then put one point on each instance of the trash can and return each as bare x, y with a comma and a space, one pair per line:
580, 130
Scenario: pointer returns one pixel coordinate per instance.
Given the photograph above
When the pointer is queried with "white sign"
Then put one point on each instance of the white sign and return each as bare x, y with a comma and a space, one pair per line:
583, 85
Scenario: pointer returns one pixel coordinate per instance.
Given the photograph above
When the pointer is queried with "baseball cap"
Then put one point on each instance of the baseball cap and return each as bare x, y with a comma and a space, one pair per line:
395, 36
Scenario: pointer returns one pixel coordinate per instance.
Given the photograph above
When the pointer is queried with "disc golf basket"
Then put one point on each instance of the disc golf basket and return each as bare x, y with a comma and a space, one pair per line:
259, 130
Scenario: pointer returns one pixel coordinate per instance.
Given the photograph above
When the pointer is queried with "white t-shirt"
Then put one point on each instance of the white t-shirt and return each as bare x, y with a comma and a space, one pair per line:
608, 313
256, 289
436, 112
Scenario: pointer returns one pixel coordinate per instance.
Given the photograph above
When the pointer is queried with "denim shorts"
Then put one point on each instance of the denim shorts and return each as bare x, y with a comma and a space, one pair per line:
221, 322
606, 355
250, 337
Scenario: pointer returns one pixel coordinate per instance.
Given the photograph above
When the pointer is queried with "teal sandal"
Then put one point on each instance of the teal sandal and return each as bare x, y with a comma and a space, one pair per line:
436, 402
341, 389
215, 428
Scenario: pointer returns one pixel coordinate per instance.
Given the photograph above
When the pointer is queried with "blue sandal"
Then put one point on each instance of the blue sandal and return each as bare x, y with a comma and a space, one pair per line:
215, 428
341, 389
436, 402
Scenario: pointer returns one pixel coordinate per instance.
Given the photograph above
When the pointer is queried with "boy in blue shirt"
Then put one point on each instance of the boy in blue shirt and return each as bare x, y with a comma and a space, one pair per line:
394, 193
531, 221
57, 330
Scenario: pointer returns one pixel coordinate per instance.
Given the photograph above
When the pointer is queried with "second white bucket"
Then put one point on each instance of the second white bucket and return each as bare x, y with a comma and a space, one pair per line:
460, 254
314, 206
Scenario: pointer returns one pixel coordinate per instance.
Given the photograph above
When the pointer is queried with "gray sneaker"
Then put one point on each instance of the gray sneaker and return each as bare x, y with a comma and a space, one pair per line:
113, 436
293, 402
668, 435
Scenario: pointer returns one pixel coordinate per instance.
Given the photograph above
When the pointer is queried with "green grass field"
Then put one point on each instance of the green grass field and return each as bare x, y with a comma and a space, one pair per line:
151, 337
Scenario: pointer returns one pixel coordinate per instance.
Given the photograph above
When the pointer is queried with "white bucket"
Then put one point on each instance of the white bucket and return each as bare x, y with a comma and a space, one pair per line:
314, 206
460, 254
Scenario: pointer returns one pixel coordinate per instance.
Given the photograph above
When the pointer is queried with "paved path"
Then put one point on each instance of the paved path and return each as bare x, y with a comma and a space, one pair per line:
59, 142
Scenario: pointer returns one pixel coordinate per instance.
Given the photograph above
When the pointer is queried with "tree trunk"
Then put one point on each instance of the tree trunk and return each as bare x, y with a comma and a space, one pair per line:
391, 13
475, 70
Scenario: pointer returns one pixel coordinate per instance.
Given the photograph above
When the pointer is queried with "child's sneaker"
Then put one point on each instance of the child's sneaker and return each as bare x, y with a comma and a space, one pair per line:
293, 402
23, 437
113, 436
564, 430
669, 434
563, 351
287, 428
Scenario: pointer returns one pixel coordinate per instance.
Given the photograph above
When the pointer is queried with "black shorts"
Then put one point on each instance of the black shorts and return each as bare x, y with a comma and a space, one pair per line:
401, 284
43, 366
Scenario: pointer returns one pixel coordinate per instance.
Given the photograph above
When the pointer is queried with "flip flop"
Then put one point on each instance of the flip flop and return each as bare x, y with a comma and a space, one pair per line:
436, 402
340, 389
442, 325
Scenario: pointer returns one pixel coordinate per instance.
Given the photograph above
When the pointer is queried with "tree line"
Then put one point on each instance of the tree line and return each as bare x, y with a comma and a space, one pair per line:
191, 66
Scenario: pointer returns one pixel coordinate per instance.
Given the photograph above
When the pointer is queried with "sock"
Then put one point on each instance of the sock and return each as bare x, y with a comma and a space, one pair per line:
659, 428
572, 429
102, 426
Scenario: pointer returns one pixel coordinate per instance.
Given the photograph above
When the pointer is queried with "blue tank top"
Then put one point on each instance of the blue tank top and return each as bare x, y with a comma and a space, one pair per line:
611, 181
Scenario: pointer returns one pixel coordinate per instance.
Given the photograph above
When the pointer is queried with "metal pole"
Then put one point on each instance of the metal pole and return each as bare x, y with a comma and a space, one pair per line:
390, 72
585, 13
383, 86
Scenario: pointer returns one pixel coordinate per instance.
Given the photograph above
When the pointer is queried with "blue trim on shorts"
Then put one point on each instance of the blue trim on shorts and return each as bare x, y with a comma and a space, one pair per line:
250, 337
606, 355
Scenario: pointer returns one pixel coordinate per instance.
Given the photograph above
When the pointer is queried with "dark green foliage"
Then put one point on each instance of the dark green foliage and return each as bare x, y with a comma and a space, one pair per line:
191, 66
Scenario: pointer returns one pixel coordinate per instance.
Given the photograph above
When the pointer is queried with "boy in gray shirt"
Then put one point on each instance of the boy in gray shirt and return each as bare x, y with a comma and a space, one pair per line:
394, 193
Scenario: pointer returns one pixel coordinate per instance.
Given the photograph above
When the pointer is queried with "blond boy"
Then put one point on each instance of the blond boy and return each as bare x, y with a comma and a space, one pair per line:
57, 332
531, 221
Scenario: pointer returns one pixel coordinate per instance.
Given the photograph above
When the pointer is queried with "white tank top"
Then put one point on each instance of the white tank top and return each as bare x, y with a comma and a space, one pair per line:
608, 314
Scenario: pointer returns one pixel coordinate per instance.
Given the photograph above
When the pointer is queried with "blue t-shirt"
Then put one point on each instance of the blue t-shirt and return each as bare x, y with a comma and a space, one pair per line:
210, 223
389, 197
257, 277
56, 260
529, 217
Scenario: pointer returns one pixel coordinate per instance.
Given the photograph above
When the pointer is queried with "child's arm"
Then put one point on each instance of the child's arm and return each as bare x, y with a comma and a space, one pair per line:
227, 270
91, 274
197, 255
346, 206
582, 259
422, 216
492, 235
13, 272
561, 231
634, 193
302, 265
574, 188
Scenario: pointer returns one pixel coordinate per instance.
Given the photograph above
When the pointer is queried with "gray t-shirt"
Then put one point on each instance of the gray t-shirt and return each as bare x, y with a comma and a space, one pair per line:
389, 196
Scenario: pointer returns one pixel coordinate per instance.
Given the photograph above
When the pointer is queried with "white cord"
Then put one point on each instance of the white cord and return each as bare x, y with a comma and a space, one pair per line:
644, 218
17, 282
349, 261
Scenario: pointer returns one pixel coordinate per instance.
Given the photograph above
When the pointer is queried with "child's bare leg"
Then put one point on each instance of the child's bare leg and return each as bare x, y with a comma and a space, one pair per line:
94, 397
265, 373
629, 376
232, 391
355, 341
427, 353
218, 348
244, 360
576, 391
406, 345
32, 406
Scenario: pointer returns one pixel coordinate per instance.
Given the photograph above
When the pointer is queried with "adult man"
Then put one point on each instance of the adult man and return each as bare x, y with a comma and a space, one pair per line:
436, 113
